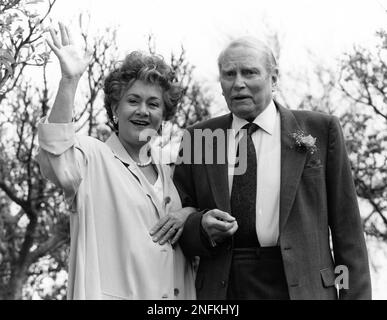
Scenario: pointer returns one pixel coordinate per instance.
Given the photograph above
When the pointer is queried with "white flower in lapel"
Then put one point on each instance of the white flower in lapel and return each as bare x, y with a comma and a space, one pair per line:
307, 142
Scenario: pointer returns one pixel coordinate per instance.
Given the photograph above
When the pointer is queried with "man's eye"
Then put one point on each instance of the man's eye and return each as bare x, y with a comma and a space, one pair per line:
249, 72
228, 74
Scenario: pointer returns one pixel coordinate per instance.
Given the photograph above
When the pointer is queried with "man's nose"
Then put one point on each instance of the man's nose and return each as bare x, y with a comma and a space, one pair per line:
239, 82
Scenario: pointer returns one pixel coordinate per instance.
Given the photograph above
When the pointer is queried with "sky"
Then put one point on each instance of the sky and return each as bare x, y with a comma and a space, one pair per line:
325, 28
203, 26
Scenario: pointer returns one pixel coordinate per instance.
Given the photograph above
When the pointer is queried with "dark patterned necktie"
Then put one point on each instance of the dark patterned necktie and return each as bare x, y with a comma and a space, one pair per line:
244, 193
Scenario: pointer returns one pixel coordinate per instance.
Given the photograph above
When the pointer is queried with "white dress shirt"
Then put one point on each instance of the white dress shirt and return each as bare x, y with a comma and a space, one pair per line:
267, 142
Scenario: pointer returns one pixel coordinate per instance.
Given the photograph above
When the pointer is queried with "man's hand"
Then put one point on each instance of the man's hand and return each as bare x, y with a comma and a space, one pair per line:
219, 225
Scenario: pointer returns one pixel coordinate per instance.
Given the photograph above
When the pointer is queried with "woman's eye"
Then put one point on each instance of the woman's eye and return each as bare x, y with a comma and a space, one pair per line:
154, 105
132, 101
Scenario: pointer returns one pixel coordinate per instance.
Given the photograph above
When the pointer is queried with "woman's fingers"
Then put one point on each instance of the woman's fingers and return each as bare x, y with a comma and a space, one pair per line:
171, 232
163, 231
177, 236
70, 36
158, 225
166, 229
55, 38
63, 34
52, 46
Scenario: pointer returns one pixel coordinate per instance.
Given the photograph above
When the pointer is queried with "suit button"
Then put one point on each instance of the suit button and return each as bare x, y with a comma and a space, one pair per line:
176, 292
223, 283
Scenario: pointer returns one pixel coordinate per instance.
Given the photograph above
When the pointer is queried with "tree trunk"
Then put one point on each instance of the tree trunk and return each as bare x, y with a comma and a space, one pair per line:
16, 283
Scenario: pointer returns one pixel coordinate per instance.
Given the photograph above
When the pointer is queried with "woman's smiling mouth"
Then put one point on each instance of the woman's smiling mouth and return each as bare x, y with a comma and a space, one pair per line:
140, 123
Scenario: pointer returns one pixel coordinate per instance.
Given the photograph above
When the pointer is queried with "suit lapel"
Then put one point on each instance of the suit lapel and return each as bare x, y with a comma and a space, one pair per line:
218, 173
292, 163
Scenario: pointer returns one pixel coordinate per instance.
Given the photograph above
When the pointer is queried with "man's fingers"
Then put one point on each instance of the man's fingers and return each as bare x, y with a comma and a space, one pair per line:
218, 220
221, 215
220, 225
219, 235
233, 229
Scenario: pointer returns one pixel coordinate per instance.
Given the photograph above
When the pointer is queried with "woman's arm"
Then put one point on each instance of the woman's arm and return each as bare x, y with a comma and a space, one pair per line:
73, 63
61, 157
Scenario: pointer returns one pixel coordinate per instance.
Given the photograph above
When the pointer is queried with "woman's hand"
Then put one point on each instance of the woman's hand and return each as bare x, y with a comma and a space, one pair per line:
170, 227
73, 61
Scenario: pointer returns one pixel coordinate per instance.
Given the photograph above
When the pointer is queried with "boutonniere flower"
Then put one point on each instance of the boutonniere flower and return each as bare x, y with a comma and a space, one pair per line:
307, 142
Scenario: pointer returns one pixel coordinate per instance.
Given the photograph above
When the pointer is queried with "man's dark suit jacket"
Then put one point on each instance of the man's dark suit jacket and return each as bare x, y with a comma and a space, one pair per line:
317, 199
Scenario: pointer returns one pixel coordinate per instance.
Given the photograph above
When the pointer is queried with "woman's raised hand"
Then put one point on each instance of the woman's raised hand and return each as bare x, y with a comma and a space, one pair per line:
73, 60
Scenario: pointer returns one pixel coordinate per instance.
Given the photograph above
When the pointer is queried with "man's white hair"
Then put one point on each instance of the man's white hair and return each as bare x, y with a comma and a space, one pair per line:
253, 43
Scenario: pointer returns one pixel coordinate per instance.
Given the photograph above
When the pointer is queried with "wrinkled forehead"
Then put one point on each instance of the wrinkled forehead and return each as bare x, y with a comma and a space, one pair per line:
242, 56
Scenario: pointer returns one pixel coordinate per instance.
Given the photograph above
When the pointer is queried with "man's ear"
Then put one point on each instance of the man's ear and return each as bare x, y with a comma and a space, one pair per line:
274, 79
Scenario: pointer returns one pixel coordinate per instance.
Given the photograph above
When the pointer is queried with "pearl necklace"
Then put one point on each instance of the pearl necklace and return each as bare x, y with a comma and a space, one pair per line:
145, 164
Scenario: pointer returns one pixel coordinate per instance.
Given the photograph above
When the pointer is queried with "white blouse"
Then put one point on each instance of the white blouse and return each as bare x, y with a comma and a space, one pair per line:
112, 255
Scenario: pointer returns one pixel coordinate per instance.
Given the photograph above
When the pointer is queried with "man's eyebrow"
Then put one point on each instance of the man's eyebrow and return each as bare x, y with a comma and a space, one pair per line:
228, 68
250, 68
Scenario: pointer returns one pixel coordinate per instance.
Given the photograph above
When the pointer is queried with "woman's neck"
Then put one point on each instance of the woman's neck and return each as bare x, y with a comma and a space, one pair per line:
135, 151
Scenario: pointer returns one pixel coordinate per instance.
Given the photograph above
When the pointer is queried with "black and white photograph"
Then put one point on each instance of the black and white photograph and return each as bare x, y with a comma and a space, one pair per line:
193, 151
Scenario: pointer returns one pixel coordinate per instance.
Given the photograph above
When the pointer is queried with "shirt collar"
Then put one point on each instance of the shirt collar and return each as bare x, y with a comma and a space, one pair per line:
265, 120
118, 149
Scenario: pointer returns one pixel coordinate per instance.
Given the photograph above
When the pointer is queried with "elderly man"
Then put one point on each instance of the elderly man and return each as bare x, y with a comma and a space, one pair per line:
265, 232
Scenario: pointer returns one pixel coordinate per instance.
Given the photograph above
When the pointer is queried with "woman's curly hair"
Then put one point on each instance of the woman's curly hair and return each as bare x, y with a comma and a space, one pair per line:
145, 67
